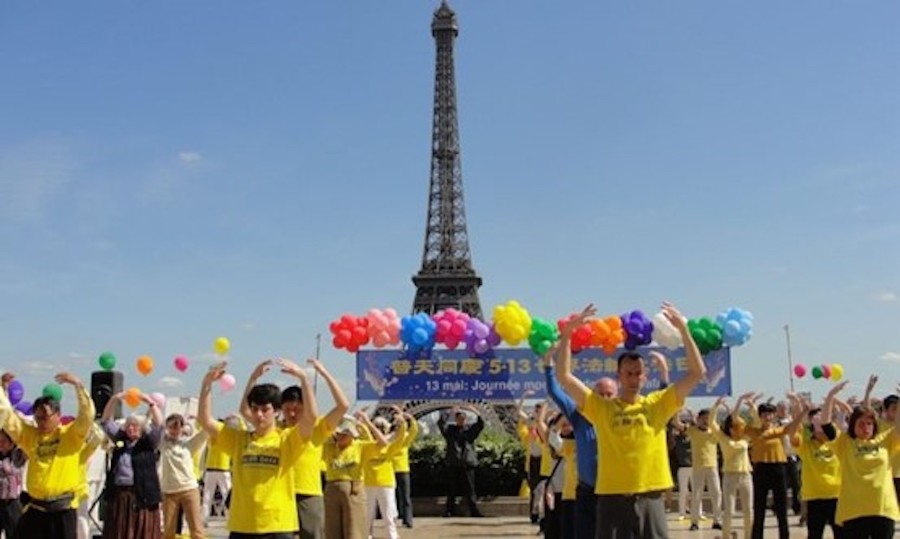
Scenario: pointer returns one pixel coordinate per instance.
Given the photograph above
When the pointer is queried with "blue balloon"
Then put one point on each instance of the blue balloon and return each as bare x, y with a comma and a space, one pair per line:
15, 391
25, 408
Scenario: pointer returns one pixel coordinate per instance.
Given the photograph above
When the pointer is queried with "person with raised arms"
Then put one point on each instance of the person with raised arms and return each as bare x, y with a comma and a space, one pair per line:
401, 471
55, 476
867, 504
633, 462
308, 492
263, 460
736, 478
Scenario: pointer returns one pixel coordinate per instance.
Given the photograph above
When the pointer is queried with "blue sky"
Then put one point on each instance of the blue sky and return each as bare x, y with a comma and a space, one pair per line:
175, 171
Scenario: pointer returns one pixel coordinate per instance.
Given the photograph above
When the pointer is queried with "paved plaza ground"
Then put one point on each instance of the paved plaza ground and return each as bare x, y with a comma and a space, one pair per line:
517, 527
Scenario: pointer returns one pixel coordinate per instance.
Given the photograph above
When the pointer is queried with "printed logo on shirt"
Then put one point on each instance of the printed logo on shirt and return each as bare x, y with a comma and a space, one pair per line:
636, 417
867, 450
260, 460
823, 453
47, 449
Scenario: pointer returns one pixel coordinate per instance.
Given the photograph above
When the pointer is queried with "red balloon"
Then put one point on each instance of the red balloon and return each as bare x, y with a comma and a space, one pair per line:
335, 326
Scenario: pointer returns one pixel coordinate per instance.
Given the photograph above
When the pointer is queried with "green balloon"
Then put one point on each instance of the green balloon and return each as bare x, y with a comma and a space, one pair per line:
54, 391
107, 361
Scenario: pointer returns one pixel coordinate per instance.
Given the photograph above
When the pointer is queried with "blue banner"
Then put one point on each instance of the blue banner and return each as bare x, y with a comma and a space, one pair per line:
505, 374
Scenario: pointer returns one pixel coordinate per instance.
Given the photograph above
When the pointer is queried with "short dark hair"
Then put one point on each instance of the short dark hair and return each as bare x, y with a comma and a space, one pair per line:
703, 412
859, 413
727, 425
46, 402
177, 418
292, 394
766, 408
889, 401
627, 356
812, 412
263, 394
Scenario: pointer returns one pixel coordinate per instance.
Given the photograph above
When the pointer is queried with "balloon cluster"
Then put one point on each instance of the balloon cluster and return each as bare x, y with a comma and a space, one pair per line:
737, 326
451, 327
834, 372
480, 337
384, 327
581, 336
706, 334
418, 332
607, 333
512, 322
543, 336
638, 329
350, 332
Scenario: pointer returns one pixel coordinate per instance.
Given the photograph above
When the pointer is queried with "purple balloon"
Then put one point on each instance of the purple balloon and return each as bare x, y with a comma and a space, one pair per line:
493, 337
25, 408
15, 391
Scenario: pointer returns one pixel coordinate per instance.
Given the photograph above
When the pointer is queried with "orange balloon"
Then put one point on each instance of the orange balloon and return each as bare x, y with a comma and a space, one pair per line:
133, 397
145, 365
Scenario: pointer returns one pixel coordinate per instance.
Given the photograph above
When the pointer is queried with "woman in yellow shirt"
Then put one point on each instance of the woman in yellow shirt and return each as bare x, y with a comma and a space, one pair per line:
345, 495
821, 472
401, 473
736, 478
867, 504
378, 469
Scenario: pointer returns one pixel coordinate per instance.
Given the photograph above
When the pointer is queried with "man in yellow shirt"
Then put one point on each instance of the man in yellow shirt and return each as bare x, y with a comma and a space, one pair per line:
633, 469
889, 412
263, 460
55, 471
307, 476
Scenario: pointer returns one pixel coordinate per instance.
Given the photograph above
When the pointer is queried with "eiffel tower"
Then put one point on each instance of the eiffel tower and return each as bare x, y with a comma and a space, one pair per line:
447, 278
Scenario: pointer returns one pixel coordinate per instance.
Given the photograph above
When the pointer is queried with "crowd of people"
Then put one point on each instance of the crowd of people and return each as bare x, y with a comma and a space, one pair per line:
602, 460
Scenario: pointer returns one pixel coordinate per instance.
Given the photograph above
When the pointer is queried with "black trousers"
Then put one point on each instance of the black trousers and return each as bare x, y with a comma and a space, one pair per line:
794, 482
10, 513
58, 524
534, 477
462, 483
820, 513
869, 528
769, 476
404, 498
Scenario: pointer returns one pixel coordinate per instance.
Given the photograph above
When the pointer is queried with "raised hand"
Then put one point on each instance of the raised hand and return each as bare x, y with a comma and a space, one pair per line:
215, 372
262, 369
289, 367
316, 364
579, 319
67, 378
674, 316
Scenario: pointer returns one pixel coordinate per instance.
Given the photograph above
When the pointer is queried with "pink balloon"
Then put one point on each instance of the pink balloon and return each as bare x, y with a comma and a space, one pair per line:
799, 370
181, 363
159, 399
227, 382
826, 372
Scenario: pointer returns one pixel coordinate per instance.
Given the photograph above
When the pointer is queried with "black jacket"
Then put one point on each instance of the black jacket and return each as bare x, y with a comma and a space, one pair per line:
461, 443
147, 490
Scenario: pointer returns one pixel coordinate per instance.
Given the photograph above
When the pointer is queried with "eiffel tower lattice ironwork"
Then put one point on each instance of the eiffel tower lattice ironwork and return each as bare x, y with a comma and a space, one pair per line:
447, 278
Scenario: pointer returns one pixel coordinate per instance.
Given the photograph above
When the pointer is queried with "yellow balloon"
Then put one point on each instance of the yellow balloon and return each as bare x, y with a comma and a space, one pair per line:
837, 372
221, 346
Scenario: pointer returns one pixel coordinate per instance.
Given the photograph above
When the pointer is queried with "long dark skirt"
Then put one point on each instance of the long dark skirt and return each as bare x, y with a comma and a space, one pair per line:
125, 521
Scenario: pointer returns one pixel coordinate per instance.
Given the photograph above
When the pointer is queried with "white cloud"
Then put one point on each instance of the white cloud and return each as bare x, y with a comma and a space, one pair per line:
189, 157
891, 356
886, 297
248, 326
169, 381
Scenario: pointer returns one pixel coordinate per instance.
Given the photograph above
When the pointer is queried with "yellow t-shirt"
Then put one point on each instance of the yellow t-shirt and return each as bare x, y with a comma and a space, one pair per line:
632, 440
378, 468
216, 457
767, 446
820, 468
546, 459
735, 453
703, 448
867, 488
55, 460
307, 472
570, 479
401, 459
346, 465
262, 475
91, 443
895, 454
